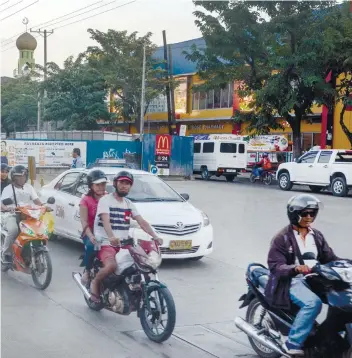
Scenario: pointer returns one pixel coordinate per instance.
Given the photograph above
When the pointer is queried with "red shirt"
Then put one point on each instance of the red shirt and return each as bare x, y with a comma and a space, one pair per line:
265, 163
91, 204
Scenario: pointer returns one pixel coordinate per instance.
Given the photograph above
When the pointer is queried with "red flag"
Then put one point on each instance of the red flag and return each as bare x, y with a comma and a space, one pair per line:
329, 76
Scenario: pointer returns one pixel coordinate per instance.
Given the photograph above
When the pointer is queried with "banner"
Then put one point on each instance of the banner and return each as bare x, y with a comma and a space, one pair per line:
162, 153
51, 154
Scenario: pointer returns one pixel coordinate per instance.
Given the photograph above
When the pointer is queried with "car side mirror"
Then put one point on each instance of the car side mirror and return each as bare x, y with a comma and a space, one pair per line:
51, 200
185, 196
7, 201
309, 256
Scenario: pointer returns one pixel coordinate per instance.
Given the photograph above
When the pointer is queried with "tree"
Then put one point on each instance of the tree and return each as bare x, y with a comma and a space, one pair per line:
119, 58
19, 104
76, 94
275, 48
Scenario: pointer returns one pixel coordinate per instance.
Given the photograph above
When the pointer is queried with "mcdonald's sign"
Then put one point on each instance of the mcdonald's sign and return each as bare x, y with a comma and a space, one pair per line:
163, 144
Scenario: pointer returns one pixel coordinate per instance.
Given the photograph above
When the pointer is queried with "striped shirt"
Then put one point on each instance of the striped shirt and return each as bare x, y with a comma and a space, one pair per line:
120, 213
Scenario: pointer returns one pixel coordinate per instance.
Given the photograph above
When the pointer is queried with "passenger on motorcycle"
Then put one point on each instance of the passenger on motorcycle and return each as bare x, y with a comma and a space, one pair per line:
112, 224
5, 181
264, 164
96, 180
21, 193
287, 268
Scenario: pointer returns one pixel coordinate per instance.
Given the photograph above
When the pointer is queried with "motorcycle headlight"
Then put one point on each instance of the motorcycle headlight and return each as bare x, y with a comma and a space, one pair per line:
206, 220
154, 260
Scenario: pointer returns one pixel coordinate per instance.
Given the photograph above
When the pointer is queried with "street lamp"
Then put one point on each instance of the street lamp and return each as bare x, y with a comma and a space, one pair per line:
38, 108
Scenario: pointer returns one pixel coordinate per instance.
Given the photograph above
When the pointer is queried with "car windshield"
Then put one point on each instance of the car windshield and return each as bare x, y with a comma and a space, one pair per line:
147, 188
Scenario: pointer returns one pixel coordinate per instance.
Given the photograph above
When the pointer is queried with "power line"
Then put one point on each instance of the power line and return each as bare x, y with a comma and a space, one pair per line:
12, 6
5, 2
19, 10
55, 18
103, 12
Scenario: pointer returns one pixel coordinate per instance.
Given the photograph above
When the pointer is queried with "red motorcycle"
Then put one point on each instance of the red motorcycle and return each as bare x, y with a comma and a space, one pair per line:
265, 177
135, 287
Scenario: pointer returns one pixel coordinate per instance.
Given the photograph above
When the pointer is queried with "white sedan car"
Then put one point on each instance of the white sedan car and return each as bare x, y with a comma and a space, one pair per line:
186, 231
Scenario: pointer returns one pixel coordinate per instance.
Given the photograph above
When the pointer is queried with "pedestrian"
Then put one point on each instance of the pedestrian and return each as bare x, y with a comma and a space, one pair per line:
5, 181
77, 160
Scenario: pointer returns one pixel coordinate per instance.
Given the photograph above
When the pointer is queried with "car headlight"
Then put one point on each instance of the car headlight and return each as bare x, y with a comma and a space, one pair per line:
206, 220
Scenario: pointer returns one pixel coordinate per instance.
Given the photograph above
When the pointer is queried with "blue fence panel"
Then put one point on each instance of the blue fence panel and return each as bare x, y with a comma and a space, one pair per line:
181, 161
130, 151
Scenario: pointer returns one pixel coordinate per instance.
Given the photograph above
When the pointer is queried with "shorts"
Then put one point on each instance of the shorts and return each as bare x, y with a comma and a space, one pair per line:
107, 253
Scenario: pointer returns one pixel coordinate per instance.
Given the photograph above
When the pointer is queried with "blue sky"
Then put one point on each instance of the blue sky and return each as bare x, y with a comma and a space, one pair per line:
174, 16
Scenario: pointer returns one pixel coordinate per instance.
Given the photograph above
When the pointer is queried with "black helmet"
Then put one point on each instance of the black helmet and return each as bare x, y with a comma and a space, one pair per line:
123, 175
5, 167
299, 203
19, 170
265, 155
96, 177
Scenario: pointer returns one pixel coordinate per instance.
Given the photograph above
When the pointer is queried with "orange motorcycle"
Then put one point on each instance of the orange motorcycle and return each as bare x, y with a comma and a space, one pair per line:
30, 252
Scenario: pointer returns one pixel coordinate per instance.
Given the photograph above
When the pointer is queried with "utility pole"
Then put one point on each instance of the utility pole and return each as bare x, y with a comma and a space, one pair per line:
172, 88
39, 112
141, 130
169, 117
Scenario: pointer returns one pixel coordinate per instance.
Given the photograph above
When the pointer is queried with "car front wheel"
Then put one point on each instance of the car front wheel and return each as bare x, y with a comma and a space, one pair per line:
285, 182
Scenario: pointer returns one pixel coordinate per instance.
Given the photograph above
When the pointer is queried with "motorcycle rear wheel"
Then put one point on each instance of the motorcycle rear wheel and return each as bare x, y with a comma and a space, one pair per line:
147, 323
49, 270
262, 351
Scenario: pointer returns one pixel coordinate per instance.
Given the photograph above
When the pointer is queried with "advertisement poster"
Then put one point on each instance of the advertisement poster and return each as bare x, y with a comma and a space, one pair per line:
180, 95
50, 154
163, 153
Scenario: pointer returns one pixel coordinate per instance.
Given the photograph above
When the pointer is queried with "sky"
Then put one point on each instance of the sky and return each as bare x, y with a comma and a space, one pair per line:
174, 16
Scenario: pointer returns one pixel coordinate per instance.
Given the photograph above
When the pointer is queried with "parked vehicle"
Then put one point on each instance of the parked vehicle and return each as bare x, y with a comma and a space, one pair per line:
135, 287
219, 155
319, 169
268, 327
187, 232
30, 252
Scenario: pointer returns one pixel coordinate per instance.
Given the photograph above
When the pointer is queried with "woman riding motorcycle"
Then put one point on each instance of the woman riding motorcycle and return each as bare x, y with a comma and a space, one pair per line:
88, 208
287, 267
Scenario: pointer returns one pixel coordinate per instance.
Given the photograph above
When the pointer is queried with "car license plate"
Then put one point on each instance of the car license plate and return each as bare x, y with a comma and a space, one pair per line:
231, 170
180, 245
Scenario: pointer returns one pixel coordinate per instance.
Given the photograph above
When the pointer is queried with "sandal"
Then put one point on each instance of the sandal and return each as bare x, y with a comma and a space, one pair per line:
94, 298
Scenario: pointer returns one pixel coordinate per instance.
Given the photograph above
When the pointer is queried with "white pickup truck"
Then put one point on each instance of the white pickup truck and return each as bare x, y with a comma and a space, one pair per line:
319, 169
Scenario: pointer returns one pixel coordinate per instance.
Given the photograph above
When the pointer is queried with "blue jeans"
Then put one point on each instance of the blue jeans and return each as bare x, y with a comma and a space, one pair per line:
310, 305
258, 171
88, 253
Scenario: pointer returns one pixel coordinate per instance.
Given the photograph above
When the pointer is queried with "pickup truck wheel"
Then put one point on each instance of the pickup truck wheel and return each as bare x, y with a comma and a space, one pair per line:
339, 187
284, 181
316, 188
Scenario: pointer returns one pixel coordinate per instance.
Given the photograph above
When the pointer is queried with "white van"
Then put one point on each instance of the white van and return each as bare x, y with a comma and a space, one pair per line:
219, 154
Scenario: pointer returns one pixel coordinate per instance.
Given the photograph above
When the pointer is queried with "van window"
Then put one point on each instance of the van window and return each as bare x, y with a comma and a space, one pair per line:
228, 148
208, 147
241, 148
196, 148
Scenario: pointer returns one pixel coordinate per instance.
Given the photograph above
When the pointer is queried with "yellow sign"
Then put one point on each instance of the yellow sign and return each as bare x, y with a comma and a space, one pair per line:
180, 244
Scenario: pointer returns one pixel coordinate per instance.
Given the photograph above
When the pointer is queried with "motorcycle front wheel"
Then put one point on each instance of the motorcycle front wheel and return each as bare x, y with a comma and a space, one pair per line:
152, 320
267, 179
43, 270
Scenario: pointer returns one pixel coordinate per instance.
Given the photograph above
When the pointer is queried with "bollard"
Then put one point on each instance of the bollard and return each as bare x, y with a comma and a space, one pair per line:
32, 169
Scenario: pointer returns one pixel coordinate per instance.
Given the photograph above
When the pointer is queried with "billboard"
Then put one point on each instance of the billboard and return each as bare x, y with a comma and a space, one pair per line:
163, 153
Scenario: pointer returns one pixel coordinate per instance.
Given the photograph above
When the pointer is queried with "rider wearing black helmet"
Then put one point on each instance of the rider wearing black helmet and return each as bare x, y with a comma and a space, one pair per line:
21, 193
5, 181
287, 267
112, 224
96, 180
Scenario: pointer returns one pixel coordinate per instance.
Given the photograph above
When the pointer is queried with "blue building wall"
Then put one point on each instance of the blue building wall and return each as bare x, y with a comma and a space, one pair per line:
181, 161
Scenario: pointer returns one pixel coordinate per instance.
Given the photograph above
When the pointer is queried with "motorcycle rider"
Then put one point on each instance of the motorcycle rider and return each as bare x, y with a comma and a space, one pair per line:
96, 180
112, 224
287, 268
5, 181
21, 194
264, 164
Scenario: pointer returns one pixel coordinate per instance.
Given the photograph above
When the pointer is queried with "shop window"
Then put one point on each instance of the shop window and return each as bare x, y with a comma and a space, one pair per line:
208, 147
307, 141
196, 148
195, 104
217, 94
316, 139
210, 99
202, 100
325, 157
224, 100
228, 148
217, 98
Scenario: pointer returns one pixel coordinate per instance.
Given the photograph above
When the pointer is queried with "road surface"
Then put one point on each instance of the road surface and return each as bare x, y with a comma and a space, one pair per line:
57, 323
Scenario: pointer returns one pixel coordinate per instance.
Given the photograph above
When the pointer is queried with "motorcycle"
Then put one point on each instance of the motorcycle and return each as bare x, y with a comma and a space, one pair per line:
135, 287
268, 327
265, 177
30, 252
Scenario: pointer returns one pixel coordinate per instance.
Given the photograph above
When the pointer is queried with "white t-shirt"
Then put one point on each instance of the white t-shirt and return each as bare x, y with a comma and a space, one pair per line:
120, 213
307, 245
24, 196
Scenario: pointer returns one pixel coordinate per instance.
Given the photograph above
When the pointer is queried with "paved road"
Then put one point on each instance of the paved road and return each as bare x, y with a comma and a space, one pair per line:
56, 323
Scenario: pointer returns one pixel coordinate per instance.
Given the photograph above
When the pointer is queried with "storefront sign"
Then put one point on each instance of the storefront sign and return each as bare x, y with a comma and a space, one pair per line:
204, 127
47, 153
162, 153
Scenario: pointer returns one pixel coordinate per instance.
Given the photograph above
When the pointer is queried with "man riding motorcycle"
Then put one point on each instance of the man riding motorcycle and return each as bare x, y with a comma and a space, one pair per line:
112, 224
287, 267
264, 164
21, 193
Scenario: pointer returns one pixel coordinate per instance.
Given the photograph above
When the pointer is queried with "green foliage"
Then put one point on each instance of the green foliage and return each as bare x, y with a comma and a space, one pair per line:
18, 104
75, 95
